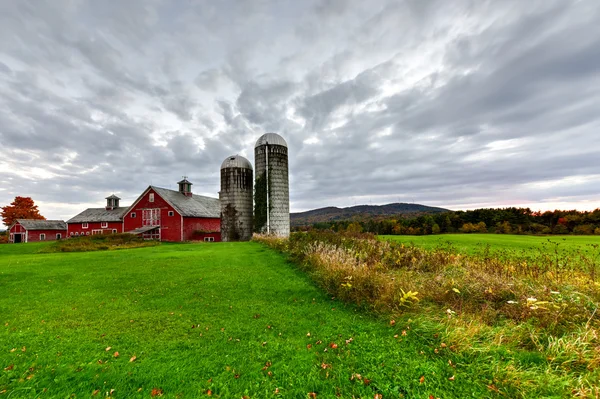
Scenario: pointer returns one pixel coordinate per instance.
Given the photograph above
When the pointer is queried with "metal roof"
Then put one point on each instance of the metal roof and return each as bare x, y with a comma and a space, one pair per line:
236, 161
185, 181
113, 197
270, 138
194, 206
99, 215
143, 229
33, 224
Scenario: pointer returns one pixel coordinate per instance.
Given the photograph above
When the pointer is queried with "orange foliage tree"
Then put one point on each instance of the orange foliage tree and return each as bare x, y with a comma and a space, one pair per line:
20, 208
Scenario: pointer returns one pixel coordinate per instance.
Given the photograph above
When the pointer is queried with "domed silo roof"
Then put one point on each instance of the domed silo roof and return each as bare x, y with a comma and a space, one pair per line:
236, 161
270, 138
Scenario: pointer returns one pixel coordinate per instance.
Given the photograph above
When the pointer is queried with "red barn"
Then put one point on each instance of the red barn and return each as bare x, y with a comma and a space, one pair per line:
107, 220
30, 230
170, 215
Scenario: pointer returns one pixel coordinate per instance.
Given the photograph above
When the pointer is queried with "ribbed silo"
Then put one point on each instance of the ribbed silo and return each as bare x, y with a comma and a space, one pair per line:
236, 199
272, 193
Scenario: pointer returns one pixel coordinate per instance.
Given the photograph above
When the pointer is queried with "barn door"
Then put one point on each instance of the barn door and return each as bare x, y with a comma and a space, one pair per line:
151, 217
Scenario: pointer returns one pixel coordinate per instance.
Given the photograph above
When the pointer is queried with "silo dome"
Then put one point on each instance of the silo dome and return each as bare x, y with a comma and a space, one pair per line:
271, 139
236, 199
236, 161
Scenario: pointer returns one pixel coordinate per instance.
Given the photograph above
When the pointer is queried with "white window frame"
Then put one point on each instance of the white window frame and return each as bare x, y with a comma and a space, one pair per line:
209, 239
87, 233
12, 237
72, 234
114, 231
132, 215
104, 225
42, 237
96, 231
171, 213
151, 197
58, 236
77, 234
84, 225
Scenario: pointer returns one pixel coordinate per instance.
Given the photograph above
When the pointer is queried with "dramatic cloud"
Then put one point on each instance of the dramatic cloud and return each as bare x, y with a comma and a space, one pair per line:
448, 103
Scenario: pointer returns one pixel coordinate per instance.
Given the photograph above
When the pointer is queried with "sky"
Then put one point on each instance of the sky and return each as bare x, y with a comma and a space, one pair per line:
458, 104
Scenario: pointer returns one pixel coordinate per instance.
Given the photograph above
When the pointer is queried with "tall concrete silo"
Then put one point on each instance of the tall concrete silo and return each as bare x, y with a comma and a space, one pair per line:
272, 193
236, 199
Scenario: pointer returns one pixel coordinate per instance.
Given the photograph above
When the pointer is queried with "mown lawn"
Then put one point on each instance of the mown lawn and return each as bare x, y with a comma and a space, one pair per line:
477, 243
225, 320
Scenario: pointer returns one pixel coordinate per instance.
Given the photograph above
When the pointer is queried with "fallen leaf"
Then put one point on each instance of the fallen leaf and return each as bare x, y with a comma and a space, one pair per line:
492, 387
236, 376
431, 397
308, 334
209, 392
312, 395
108, 348
366, 381
30, 376
392, 322
270, 373
10, 367
404, 333
100, 361
133, 358
308, 346
333, 345
442, 345
116, 354
96, 392
111, 392
318, 342
156, 392
276, 391
378, 396
325, 366
451, 378
422, 379
23, 349
13, 349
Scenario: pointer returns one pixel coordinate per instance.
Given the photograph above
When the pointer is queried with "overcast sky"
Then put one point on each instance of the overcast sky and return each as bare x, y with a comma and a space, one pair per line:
459, 104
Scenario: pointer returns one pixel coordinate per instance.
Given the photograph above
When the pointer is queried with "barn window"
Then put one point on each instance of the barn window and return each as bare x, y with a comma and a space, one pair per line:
84, 225
87, 233
42, 237
104, 225
114, 231
71, 233
58, 236
151, 197
132, 214
171, 213
77, 234
209, 239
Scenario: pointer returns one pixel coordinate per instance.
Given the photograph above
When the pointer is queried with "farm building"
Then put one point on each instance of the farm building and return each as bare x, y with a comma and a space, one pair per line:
30, 230
107, 220
170, 215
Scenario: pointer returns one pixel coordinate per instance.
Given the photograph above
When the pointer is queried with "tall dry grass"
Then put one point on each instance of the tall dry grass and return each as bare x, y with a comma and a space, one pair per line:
542, 303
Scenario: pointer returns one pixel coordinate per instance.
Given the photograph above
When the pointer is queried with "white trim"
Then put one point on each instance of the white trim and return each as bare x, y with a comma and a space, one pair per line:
114, 231
151, 197
59, 236
26, 235
42, 236
103, 225
181, 228
85, 225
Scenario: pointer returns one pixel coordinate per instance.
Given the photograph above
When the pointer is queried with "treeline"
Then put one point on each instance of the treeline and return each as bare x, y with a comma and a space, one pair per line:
500, 221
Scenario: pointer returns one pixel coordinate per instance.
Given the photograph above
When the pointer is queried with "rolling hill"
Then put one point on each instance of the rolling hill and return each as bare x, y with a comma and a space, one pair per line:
360, 212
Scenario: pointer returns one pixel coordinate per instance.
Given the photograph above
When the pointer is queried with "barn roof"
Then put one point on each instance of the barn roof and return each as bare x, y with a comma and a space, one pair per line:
99, 215
195, 206
33, 224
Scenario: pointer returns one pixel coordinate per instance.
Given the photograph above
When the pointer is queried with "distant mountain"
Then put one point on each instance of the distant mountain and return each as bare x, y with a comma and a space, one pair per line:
361, 212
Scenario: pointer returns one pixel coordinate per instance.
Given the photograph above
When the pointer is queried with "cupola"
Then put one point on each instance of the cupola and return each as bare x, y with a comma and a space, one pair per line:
185, 187
112, 202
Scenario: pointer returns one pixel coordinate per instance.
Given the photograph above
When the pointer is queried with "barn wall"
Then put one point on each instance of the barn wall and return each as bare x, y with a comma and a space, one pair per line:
78, 228
198, 228
170, 225
16, 229
34, 235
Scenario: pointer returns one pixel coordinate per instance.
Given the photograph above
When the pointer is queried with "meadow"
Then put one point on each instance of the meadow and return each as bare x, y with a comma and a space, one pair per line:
478, 243
240, 320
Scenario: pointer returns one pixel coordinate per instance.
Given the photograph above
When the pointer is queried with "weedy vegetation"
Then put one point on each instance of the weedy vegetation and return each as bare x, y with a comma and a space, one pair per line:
99, 242
529, 318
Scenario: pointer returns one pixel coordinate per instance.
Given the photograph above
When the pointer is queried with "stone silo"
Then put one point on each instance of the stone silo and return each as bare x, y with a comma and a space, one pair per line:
236, 199
272, 193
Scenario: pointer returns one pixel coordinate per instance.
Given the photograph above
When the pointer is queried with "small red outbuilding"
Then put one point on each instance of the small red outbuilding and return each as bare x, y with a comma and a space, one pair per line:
107, 220
31, 230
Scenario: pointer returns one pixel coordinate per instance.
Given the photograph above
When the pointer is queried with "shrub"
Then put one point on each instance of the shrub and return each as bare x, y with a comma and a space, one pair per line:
99, 242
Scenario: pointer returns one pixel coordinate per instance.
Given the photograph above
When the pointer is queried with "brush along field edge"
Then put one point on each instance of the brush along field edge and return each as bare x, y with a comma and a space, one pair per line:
546, 305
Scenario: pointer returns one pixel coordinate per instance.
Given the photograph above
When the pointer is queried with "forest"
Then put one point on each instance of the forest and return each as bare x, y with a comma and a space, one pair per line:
489, 220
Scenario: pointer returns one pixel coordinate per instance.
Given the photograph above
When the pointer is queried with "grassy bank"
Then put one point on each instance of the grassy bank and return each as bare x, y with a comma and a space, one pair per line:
535, 321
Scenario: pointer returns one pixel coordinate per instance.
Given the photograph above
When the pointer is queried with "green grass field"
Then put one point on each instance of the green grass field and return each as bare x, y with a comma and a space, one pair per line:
231, 320
476, 243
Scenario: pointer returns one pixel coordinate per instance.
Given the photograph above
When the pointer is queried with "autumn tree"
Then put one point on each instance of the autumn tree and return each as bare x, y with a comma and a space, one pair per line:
20, 208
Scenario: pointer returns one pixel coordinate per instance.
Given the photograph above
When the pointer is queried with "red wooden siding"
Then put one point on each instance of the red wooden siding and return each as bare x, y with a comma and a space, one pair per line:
200, 228
170, 226
78, 228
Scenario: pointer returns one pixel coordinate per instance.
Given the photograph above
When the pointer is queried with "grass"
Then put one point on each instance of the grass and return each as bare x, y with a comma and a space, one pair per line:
477, 243
230, 318
540, 314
